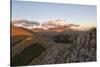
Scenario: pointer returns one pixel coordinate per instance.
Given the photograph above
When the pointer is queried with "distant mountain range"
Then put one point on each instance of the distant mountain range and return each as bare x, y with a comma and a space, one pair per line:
25, 23
48, 25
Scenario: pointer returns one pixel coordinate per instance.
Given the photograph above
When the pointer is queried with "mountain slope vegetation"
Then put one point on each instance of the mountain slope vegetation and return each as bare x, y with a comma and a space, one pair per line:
35, 48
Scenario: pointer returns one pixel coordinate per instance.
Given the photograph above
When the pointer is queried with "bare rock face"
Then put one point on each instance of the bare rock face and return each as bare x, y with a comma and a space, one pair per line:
83, 49
86, 45
67, 47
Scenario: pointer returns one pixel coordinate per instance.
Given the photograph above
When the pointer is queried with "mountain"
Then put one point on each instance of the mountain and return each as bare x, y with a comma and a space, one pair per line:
51, 46
71, 48
59, 25
67, 47
26, 45
54, 23
22, 37
25, 23
19, 31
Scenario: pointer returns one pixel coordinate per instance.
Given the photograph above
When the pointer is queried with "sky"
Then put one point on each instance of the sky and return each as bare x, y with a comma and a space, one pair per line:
40, 11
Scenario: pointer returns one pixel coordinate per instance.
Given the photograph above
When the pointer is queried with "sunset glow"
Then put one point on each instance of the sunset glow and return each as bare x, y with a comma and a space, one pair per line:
64, 14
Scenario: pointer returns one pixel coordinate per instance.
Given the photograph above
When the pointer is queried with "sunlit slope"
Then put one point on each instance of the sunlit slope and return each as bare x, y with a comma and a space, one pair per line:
21, 42
19, 34
19, 31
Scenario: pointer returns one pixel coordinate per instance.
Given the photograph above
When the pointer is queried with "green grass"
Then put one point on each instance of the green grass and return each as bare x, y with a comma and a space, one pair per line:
27, 55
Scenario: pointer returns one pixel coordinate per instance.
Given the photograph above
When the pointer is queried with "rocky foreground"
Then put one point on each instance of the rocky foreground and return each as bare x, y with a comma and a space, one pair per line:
65, 47
81, 49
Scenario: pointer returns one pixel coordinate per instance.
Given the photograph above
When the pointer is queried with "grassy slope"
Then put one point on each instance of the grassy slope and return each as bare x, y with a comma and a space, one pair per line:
25, 41
18, 38
19, 31
28, 54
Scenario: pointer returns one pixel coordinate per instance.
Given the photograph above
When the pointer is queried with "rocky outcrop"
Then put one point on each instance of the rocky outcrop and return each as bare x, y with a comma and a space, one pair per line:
83, 49
70, 47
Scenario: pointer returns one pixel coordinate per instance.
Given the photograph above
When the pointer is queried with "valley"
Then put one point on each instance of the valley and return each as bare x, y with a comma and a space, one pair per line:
52, 47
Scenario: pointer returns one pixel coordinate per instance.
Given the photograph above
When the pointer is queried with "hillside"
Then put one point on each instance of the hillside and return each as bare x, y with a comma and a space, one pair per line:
81, 49
19, 31
22, 40
52, 47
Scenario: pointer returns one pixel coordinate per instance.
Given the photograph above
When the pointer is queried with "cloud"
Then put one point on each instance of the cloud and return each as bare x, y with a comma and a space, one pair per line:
26, 22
